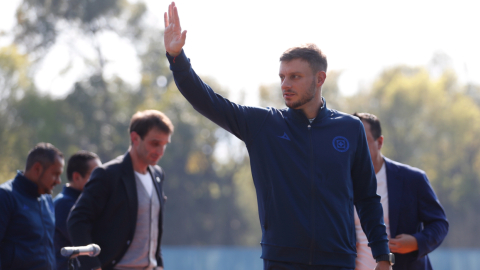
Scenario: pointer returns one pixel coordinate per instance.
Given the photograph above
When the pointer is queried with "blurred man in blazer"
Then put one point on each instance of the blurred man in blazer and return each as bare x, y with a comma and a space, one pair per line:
415, 220
121, 207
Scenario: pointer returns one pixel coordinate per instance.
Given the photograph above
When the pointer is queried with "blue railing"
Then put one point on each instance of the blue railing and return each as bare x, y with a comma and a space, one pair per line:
245, 258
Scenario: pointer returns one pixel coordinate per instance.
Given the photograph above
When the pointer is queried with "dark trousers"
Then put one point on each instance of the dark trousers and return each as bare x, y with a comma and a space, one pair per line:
276, 265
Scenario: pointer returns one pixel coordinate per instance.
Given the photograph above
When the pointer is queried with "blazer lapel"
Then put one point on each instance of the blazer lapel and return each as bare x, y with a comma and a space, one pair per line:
395, 189
128, 179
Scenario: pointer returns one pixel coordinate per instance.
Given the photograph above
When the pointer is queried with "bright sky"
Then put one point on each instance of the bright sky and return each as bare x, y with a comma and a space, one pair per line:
239, 43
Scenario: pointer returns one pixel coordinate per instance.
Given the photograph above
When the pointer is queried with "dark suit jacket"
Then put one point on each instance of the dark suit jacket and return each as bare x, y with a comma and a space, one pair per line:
414, 209
106, 212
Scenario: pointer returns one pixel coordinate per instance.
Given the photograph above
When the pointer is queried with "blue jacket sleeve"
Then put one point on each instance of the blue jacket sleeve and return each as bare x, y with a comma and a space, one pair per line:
242, 121
366, 200
432, 215
62, 209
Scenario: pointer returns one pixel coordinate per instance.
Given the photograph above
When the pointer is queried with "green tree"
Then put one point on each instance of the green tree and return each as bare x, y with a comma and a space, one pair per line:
15, 82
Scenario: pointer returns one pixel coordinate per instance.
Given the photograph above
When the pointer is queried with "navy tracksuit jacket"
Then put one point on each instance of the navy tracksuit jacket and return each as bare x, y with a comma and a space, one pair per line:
307, 176
27, 226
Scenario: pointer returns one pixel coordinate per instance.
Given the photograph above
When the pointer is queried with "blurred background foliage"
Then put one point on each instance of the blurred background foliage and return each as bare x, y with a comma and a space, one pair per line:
429, 121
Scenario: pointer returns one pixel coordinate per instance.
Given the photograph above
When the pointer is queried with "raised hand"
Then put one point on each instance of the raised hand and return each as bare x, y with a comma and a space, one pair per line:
173, 37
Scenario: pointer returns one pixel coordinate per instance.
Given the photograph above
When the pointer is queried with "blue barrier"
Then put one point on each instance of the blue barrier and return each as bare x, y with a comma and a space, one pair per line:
212, 258
455, 259
247, 258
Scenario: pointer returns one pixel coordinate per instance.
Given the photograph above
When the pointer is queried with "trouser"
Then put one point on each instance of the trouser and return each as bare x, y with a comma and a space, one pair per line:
276, 265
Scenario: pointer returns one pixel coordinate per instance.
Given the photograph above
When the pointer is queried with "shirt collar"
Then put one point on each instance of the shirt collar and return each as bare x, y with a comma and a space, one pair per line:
26, 185
322, 112
71, 192
382, 169
382, 174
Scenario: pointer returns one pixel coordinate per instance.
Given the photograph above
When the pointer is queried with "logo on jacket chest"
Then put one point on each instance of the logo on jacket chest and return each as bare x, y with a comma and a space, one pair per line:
340, 144
284, 136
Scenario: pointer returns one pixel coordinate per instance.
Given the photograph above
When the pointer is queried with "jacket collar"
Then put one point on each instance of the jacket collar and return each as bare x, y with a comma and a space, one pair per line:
71, 192
128, 178
395, 189
25, 185
127, 167
300, 116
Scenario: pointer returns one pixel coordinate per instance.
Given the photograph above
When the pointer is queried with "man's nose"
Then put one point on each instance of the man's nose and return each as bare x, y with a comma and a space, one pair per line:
286, 84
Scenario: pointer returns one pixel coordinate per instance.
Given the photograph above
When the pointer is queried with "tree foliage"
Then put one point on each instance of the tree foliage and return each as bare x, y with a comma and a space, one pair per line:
14, 83
202, 205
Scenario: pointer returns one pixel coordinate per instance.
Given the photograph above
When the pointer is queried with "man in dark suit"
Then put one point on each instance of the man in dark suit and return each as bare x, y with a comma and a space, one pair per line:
121, 207
415, 220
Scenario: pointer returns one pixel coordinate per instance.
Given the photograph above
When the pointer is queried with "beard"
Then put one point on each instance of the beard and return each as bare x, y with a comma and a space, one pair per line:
305, 98
42, 187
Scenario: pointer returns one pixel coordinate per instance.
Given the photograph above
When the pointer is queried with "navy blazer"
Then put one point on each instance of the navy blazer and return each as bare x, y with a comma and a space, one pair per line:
414, 209
106, 212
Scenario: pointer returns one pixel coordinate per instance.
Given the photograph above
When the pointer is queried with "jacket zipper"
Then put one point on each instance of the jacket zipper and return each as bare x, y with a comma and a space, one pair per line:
43, 225
312, 185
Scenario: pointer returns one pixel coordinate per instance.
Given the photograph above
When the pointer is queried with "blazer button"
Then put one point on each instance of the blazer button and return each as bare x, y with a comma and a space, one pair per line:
128, 242
113, 262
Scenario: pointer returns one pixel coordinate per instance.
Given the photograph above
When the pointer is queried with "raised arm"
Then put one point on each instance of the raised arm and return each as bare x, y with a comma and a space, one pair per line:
242, 121
173, 37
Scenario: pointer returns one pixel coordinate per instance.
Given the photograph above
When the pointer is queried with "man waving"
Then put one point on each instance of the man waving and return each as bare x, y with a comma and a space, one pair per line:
310, 164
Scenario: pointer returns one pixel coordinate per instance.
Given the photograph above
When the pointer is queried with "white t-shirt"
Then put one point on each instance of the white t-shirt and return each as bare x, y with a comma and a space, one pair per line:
147, 182
365, 260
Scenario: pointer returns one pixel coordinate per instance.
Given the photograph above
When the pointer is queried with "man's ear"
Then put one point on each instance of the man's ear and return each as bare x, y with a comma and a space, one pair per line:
134, 137
76, 176
380, 142
320, 78
37, 169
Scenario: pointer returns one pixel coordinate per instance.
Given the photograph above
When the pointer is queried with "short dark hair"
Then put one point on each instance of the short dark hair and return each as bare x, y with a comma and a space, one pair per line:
308, 52
371, 119
43, 153
78, 162
143, 121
